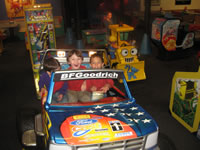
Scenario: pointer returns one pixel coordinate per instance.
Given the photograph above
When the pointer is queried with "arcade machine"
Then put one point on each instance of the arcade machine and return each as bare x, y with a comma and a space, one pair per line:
40, 34
94, 37
185, 99
171, 38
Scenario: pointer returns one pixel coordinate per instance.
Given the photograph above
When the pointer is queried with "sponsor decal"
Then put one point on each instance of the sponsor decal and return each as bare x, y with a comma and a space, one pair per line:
106, 139
116, 125
80, 133
88, 75
93, 131
81, 117
83, 122
105, 129
97, 134
123, 134
86, 127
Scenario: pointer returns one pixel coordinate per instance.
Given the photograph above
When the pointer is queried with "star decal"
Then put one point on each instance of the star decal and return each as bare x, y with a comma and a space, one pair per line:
129, 102
136, 120
122, 109
115, 105
90, 111
122, 114
111, 114
116, 109
133, 108
98, 107
128, 114
104, 110
140, 113
146, 120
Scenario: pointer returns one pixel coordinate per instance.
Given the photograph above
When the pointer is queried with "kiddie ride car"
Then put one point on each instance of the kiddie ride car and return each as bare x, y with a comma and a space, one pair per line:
107, 121
125, 56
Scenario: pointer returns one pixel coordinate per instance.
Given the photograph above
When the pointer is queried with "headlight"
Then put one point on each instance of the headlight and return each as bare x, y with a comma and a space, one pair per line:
61, 54
91, 53
152, 140
53, 146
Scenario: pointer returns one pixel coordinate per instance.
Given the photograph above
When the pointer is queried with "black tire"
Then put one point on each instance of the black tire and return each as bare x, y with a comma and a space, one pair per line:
25, 121
165, 143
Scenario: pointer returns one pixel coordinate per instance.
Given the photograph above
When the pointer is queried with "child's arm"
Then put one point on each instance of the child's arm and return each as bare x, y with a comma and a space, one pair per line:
63, 88
105, 88
43, 82
108, 85
84, 86
42, 90
62, 91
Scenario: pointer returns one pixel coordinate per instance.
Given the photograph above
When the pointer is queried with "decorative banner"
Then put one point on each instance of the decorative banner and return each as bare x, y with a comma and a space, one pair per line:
183, 2
14, 8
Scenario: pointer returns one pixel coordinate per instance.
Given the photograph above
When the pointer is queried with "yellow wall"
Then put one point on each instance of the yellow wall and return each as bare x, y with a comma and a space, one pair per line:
170, 5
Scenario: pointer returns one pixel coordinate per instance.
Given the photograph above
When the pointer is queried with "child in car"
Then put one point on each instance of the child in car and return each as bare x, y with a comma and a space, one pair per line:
76, 91
103, 85
60, 88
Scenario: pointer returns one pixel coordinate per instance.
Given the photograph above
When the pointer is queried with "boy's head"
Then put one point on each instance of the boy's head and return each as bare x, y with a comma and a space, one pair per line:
108, 15
96, 61
75, 58
51, 64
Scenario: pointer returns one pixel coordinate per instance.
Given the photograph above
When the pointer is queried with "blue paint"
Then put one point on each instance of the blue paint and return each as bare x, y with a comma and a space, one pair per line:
131, 71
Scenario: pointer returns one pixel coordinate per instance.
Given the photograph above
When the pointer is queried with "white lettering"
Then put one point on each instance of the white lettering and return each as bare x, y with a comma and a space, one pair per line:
71, 75
63, 76
86, 75
79, 75
98, 74
92, 75
115, 75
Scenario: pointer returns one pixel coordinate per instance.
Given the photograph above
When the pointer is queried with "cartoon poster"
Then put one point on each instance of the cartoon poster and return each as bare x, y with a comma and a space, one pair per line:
169, 35
14, 8
185, 96
157, 28
41, 37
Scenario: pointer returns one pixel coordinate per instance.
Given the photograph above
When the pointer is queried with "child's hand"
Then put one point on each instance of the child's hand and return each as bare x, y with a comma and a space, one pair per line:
43, 95
83, 86
42, 91
105, 88
60, 97
93, 88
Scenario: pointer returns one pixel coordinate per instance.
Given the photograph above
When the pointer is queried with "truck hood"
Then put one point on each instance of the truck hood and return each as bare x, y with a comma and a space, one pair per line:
99, 123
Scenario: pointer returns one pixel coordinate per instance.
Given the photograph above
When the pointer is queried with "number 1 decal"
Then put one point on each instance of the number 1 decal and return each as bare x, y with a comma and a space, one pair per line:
116, 125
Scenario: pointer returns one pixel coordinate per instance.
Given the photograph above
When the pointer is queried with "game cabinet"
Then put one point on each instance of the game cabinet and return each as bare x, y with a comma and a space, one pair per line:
40, 34
40, 31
